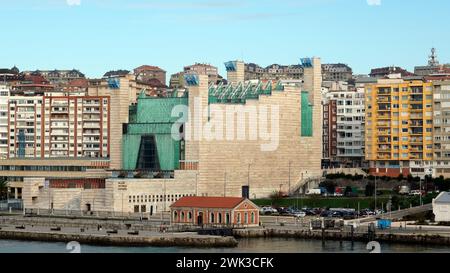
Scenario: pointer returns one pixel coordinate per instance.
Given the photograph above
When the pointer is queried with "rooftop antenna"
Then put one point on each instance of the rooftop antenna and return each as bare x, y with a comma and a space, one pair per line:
432, 60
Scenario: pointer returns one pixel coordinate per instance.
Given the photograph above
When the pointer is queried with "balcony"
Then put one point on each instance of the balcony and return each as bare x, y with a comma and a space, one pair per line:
416, 116
91, 132
384, 100
384, 132
384, 157
384, 117
384, 91
91, 125
383, 124
416, 124
416, 140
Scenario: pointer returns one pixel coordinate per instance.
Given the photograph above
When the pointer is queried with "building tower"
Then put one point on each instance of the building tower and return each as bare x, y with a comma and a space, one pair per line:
235, 72
433, 61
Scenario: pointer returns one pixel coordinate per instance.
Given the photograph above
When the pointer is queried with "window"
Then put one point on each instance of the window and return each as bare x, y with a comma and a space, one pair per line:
175, 216
238, 220
212, 218
253, 218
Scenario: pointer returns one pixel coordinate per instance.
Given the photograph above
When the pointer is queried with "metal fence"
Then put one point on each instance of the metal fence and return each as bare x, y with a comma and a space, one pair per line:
11, 204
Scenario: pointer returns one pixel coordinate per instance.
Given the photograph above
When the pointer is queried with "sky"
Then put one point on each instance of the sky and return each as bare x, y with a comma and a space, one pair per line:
96, 36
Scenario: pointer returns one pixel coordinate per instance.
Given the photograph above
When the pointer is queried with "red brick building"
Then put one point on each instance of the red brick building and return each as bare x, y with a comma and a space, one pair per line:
217, 211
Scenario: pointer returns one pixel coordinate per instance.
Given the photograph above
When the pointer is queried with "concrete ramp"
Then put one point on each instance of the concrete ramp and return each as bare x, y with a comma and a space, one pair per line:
393, 215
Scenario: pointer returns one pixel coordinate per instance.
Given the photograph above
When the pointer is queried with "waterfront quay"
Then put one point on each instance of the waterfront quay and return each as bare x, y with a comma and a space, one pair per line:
157, 232
105, 232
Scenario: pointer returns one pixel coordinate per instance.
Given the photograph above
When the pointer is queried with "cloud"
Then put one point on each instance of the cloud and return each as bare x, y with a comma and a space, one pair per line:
73, 2
374, 2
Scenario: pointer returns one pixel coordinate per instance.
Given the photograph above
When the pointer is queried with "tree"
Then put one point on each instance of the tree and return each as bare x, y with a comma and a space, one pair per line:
348, 191
275, 198
329, 185
370, 189
3, 188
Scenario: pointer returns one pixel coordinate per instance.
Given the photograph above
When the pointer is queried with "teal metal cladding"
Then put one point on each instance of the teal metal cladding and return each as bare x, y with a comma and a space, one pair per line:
307, 116
153, 117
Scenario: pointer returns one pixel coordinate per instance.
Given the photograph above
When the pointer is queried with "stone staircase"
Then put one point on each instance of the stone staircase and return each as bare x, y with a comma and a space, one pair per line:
306, 183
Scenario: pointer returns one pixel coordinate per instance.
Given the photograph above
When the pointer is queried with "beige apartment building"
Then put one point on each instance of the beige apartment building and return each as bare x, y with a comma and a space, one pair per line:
441, 128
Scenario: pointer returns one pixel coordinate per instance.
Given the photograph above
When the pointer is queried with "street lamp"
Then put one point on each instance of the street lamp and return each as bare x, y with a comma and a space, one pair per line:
289, 190
375, 194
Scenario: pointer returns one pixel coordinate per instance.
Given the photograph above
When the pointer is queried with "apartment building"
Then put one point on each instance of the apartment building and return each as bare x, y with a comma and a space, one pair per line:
56, 76
399, 127
204, 69
329, 134
147, 73
441, 128
4, 99
274, 72
343, 134
337, 72
25, 126
76, 127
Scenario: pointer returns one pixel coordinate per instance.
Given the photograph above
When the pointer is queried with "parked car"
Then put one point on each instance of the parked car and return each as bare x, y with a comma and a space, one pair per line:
283, 211
267, 210
416, 193
298, 213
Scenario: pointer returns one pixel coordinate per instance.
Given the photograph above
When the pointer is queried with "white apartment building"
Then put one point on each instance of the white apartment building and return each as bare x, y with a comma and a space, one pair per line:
25, 119
350, 126
4, 98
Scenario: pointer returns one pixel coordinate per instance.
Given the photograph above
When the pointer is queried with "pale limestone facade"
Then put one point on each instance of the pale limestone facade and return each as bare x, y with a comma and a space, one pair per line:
119, 195
226, 166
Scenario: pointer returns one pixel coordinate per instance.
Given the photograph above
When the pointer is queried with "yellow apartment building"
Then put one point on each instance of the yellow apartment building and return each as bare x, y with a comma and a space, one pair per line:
399, 127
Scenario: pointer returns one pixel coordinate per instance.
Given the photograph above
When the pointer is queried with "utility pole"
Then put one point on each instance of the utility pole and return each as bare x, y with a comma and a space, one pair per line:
375, 193
196, 184
248, 176
289, 190
420, 186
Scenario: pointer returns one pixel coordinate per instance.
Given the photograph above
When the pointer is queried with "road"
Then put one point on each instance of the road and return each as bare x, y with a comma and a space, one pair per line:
399, 214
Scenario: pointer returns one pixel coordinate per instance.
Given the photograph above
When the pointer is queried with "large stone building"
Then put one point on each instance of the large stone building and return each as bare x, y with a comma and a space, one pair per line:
228, 140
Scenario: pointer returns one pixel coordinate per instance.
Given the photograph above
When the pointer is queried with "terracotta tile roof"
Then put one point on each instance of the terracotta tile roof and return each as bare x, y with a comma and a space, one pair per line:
208, 202
147, 68
78, 83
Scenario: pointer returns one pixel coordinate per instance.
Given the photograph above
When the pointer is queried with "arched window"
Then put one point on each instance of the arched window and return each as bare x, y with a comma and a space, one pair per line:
189, 215
253, 218
238, 218
182, 217
220, 218
227, 218
175, 216
246, 218
212, 218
